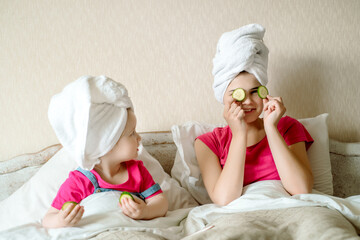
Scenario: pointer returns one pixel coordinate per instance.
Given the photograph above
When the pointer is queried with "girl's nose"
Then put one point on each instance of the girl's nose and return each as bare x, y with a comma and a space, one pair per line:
247, 99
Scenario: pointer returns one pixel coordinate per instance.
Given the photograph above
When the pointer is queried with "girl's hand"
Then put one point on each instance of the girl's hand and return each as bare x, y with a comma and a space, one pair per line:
234, 116
274, 109
134, 209
70, 216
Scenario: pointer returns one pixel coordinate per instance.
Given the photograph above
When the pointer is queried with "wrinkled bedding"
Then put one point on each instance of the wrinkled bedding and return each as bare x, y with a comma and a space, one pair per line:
127, 235
264, 210
282, 224
271, 198
102, 213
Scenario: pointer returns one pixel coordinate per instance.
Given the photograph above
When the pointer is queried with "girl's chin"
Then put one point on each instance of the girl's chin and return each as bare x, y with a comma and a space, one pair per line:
251, 117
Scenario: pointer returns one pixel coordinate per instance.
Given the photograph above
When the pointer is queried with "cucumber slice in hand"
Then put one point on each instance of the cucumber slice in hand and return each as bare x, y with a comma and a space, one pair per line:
125, 195
239, 94
262, 92
66, 204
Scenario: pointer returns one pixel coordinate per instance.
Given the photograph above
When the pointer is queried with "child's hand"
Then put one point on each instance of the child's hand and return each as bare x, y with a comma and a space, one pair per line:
134, 209
70, 216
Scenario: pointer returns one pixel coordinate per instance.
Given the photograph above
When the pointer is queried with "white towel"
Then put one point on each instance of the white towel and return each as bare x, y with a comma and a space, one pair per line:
89, 116
240, 50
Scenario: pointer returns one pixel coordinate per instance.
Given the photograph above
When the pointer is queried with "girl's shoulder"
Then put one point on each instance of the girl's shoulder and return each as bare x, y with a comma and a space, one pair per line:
135, 164
76, 175
287, 119
219, 132
294, 131
217, 140
77, 178
76, 182
286, 122
222, 130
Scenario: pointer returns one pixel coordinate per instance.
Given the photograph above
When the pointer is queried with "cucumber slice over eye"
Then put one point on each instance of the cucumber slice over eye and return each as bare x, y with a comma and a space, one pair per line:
262, 92
239, 94
125, 195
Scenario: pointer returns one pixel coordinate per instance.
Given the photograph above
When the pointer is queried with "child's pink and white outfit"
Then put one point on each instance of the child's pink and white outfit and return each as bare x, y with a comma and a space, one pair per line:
259, 162
88, 117
82, 183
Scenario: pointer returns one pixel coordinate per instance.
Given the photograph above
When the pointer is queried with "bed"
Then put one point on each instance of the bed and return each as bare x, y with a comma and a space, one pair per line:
265, 211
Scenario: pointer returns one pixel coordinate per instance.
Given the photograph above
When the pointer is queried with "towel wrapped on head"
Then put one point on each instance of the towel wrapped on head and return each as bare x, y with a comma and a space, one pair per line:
240, 50
89, 116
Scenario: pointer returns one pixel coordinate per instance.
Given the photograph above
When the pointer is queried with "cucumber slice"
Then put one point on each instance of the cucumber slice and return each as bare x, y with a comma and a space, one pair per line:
125, 195
262, 92
239, 94
66, 204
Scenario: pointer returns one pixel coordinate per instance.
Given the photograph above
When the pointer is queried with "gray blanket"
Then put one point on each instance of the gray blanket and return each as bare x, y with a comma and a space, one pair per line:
301, 223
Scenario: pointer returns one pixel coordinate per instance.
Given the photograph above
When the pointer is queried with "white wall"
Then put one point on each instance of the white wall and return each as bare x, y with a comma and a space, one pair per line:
162, 51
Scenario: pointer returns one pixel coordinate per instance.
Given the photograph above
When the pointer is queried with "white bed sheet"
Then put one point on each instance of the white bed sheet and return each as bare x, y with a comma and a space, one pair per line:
103, 214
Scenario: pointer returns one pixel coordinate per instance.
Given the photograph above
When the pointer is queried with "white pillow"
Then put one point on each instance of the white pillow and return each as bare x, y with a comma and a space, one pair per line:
187, 172
31, 201
319, 153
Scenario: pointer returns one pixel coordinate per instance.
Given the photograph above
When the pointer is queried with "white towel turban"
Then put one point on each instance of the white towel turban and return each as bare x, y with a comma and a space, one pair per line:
239, 50
89, 116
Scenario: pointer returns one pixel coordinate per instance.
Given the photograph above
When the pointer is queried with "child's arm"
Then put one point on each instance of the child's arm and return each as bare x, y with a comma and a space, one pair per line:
153, 207
55, 218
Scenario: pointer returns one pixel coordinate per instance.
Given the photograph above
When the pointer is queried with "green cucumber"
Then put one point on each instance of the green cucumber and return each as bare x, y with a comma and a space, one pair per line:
66, 204
125, 195
262, 92
239, 94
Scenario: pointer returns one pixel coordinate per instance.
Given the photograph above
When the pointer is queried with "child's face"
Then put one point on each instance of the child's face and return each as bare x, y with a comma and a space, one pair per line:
252, 104
127, 146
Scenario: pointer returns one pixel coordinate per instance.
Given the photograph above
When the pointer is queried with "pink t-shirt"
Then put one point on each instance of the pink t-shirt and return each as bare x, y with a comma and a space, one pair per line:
259, 162
77, 186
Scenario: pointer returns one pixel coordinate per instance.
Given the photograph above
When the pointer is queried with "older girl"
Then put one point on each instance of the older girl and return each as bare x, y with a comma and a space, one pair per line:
250, 148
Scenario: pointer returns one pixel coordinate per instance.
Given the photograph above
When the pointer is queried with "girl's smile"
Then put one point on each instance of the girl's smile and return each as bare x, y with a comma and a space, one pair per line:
250, 110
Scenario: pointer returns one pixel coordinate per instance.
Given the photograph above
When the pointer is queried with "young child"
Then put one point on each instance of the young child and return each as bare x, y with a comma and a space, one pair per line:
94, 120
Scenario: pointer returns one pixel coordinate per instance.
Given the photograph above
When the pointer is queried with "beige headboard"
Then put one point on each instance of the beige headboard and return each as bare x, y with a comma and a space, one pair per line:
345, 161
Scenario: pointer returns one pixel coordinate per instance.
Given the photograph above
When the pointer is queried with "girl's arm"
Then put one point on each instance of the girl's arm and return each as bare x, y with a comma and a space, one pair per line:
153, 207
55, 218
291, 161
225, 185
